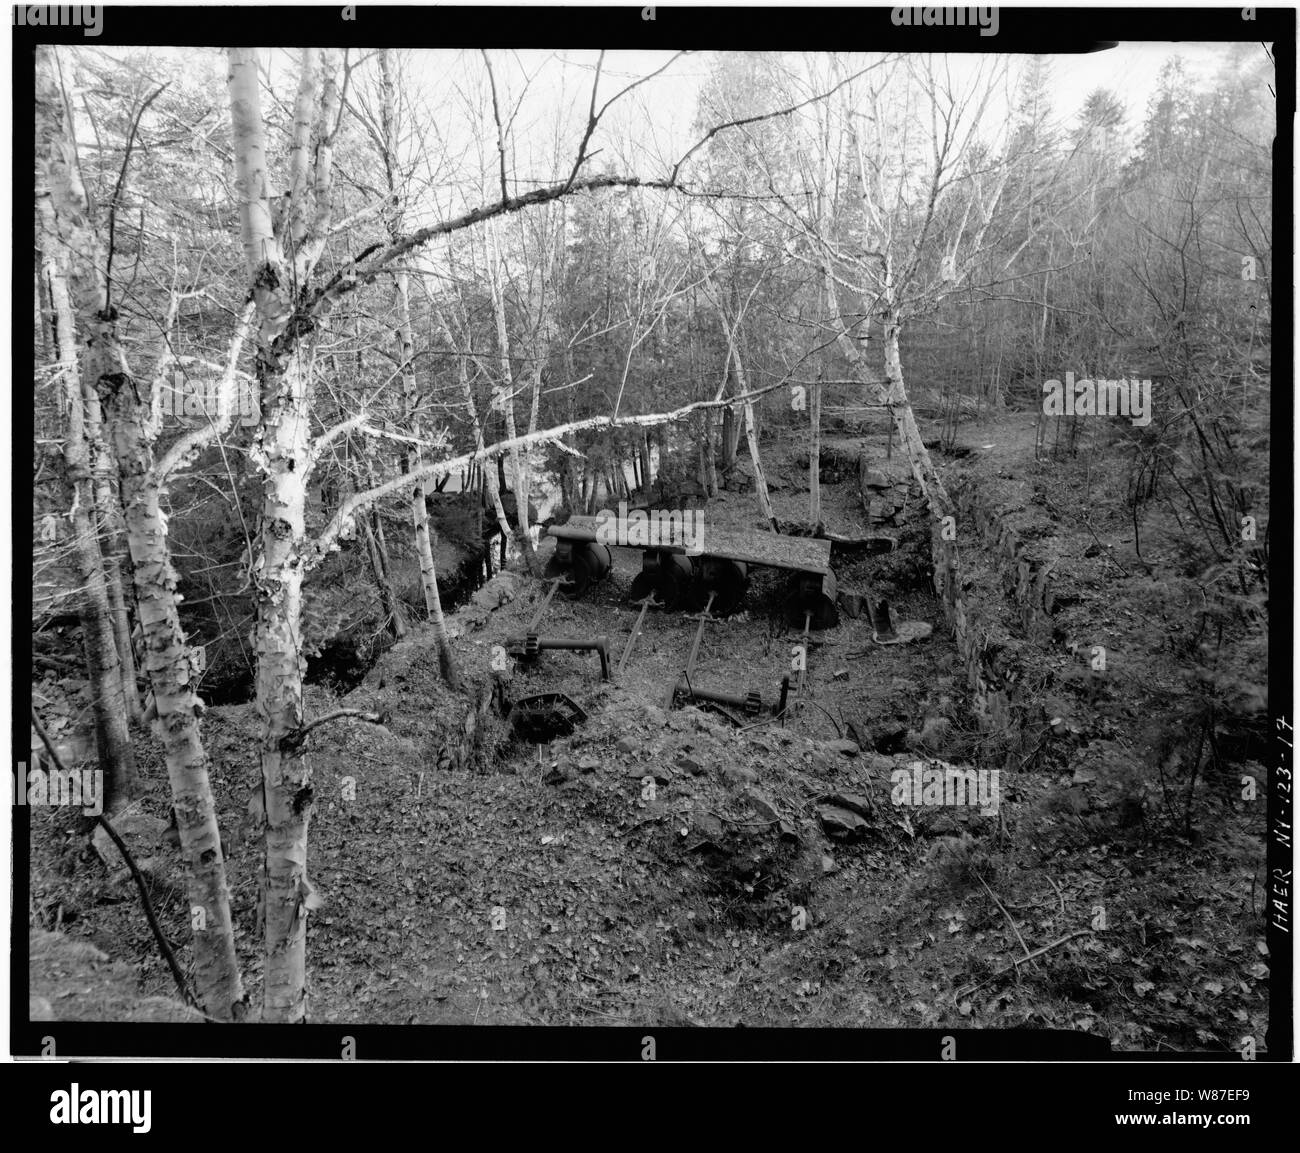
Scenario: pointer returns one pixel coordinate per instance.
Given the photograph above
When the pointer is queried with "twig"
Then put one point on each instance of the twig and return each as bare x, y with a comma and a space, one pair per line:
1060, 894
1021, 960
1087, 523
117, 193
152, 918
297, 736
1010, 919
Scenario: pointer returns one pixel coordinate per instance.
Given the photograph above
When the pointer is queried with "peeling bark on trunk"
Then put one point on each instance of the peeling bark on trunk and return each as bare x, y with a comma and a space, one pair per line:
173, 676
751, 436
905, 422
109, 530
64, 220
944, 552
506, 402
281, 451
410, 392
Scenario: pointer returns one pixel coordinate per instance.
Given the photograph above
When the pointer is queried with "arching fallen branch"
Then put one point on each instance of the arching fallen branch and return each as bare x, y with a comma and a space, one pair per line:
295, 738
163, 946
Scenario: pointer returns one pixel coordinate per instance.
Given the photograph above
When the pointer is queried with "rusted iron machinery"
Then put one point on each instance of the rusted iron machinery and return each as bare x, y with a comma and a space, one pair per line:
712, 562
667, 576
646, 603
531, 646
812, 601
739, 709
545, 717
582, 562
736, 707
725, 579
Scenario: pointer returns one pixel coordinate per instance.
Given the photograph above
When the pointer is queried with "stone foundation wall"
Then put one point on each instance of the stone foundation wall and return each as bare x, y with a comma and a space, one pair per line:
993, 655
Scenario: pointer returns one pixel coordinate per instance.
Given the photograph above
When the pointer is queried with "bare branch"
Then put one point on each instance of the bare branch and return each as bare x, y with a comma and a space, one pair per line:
496, 115
184, 448
712, 132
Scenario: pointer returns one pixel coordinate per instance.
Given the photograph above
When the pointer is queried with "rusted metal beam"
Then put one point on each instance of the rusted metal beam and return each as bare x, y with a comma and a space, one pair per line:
750, 703
704, 619
801, 553
530, 647
645, 604
541, 611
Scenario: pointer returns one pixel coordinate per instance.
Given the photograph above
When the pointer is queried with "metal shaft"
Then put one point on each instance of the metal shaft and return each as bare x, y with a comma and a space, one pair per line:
636, 632
537, 617
699, 635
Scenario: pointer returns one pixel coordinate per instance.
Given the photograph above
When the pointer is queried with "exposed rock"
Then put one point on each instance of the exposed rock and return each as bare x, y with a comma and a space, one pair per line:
588, 764
653, 716
854, 802
626, 745
500, 590
844, 747
739, 775
558, 773
661, 774
689, 765
853, 604
840, 822
762, 806
824, 762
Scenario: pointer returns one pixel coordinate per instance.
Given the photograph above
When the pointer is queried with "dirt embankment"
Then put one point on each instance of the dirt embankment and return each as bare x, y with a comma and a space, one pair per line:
660, 866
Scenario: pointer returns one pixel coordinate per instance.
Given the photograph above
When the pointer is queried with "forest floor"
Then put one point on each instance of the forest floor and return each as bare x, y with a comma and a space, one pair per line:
554, 889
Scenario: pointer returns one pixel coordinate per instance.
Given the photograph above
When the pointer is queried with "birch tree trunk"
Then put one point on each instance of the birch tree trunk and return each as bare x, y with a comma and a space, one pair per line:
506, 400
751, 426
643, 450
281, 451
710, 456
751, 436
389, 602
173, 676
64, 220
410, 392
171, 671
486, 469
814, 457
109, 530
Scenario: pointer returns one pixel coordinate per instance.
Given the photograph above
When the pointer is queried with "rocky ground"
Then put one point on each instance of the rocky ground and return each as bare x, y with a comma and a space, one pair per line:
660, 866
